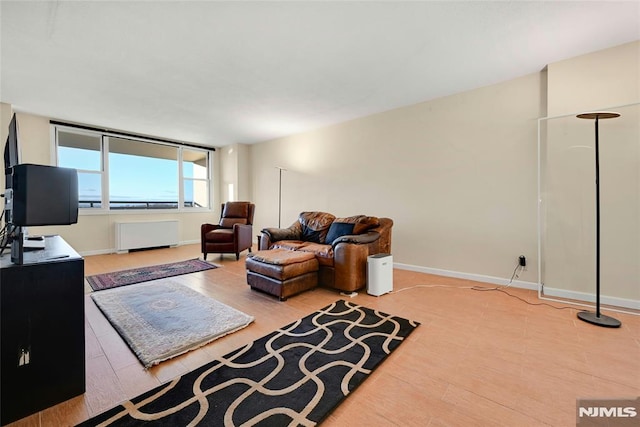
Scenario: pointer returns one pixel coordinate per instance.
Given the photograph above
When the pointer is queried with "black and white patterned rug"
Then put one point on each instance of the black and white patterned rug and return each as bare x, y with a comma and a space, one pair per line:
294, 376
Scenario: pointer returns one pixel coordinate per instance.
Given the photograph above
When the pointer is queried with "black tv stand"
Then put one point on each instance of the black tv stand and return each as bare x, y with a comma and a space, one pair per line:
17, 246
42, 360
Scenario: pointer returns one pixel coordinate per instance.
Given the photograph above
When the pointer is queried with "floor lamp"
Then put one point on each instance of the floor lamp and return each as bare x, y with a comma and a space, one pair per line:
280, 169
588, 316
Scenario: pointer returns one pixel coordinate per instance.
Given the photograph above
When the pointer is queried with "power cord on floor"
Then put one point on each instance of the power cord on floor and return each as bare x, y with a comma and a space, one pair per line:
515, 274
430, 286
522, 299
496, 288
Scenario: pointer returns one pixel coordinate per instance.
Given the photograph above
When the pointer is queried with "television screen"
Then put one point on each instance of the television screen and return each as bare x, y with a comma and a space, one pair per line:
44, 195
11, 151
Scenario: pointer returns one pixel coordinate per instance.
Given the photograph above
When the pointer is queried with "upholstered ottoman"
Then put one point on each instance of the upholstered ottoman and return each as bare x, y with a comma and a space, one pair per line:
281, 272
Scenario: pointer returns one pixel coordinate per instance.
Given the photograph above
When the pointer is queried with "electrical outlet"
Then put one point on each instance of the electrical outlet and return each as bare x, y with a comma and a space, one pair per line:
522, 261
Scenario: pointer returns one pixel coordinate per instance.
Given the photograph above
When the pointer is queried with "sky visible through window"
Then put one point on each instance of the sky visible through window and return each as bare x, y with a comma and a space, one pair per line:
142, 179
131, 178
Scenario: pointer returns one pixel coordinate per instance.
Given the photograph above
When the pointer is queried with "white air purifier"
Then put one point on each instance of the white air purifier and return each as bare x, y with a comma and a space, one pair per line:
379, 274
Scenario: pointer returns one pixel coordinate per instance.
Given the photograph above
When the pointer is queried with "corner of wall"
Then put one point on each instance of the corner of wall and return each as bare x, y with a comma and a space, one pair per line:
235, 172
544, 91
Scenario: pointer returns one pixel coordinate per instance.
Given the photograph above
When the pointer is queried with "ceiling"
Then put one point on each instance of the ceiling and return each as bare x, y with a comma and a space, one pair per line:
217, 73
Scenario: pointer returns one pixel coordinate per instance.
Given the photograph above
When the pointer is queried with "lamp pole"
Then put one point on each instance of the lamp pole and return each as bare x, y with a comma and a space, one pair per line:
280, 169
597, 318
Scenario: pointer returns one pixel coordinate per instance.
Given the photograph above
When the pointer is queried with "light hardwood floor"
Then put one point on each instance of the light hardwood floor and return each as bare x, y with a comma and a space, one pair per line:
478, 358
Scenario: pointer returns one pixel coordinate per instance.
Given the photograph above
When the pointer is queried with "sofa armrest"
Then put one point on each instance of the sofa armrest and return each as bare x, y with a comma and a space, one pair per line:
243, 234
264, 241
350, 264
358, 239
276, 234
204, 229
383, 245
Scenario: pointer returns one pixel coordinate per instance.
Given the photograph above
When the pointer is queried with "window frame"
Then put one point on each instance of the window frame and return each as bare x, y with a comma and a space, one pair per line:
104, 172
207, 180
103, 189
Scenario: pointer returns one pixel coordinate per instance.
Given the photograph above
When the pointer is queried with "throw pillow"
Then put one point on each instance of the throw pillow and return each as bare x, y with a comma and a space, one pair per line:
315, 226
361, 223
339, 229
311, 235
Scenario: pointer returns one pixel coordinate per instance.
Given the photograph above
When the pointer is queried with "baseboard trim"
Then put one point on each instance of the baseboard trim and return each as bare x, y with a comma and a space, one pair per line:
591, 298
97, 252
188, 242
115, 251
468, 276
547, 292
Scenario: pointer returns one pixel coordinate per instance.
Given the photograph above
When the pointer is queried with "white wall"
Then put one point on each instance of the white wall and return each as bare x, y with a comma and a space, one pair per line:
6, 112
234, 182
228, 174
457, 175
5, 118
605, 80
244, 173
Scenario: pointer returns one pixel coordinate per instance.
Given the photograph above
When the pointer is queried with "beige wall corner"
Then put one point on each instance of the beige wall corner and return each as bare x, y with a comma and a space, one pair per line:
606, 78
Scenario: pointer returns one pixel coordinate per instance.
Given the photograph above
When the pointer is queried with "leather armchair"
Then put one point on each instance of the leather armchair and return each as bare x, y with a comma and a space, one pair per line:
233, 233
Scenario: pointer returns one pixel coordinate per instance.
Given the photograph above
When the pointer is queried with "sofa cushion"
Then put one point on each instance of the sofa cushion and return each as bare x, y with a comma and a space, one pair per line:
280, 256
220, 235
361, 223
323, 253
315, 226
290, 245
339, 229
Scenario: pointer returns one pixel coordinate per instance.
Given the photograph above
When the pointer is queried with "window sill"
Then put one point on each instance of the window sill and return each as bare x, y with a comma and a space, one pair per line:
94, 212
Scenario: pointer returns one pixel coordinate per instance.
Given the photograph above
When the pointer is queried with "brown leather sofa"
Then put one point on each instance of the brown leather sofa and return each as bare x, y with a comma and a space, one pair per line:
341, 245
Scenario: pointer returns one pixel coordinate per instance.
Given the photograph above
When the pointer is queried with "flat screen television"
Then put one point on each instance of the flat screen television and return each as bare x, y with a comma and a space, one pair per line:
11, 151
44, 195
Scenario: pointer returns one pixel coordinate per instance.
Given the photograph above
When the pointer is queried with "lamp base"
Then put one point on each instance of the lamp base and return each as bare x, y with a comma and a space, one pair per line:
602, 320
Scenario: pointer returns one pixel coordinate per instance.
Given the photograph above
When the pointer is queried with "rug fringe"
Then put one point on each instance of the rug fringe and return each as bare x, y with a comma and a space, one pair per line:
157, 362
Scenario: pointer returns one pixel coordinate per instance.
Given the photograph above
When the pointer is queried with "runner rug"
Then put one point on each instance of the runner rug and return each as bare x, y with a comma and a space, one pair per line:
144, 274
294, 376
163, 319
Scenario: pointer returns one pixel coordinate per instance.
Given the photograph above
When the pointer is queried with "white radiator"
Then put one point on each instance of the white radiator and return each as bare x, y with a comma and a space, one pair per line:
146, 234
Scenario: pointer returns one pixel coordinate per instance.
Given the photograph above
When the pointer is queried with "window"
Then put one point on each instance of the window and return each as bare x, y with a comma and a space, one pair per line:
195, 178
83, 152
142, 175
121, 173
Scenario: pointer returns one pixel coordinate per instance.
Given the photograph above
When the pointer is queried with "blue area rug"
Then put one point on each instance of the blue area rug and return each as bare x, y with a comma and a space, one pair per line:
164, 319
